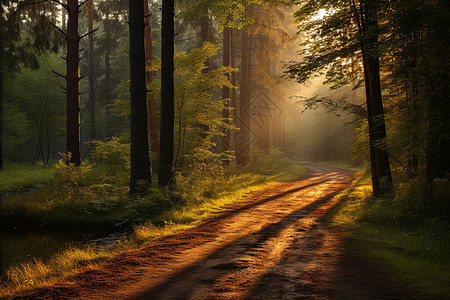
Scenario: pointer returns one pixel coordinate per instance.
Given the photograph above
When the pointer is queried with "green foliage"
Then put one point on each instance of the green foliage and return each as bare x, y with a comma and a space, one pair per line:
198, 118
113, 153
33, 121
70, 178
267, 163
406, 233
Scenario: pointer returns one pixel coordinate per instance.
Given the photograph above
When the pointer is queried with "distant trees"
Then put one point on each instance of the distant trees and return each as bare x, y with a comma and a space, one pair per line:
15, 49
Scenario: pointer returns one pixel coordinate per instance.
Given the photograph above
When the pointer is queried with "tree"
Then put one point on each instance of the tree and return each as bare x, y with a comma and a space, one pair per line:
166, 148
14, 48
140, 161
152, 122
92, 131
348, 30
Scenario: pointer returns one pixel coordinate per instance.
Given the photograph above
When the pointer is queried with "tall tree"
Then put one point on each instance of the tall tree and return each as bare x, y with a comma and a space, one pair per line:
349, 30
140, 161
166, 147
368, 24
92, 131
226, 89
152, 121
243, 136
73, 83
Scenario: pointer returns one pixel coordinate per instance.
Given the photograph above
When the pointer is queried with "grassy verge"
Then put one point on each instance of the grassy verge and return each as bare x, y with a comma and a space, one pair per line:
154, 217
411, 240
16, 177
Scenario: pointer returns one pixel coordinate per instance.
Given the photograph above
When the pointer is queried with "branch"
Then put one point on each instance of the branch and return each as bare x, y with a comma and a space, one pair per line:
59, 29
147, 16
65, 90
83, 77
59, 74
60, 3
86, 34
82, 3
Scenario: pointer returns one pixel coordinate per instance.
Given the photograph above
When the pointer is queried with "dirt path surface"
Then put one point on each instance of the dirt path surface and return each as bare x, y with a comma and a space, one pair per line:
273, 245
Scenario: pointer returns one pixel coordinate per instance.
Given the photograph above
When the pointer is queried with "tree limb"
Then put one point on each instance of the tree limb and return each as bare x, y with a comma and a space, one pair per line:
82, 3
83, 77
88, 33
59, 74
59, 29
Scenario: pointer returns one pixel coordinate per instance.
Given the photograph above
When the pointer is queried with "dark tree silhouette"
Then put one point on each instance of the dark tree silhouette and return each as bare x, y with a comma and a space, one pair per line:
140, 161
165, 173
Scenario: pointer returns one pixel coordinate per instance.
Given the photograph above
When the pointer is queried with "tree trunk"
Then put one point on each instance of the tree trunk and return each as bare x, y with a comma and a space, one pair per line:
140, 161
226, 90
381, 156
108, 121
234, 112
1, 110
73, 84
92, 132
243, 140
165, 174
152, 122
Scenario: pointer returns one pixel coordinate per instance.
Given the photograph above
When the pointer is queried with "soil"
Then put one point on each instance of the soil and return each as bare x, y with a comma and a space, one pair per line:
273, 245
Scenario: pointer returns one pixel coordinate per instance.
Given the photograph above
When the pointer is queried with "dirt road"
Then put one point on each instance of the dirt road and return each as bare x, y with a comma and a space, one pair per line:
274, 245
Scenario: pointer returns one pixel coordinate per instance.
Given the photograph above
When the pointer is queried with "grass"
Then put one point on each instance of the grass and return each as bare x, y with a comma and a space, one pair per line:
15, 177
153, 217
417, 253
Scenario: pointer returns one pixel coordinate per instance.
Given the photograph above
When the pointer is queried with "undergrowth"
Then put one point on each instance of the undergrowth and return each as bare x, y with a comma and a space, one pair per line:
408, 233
18, 177
152, 215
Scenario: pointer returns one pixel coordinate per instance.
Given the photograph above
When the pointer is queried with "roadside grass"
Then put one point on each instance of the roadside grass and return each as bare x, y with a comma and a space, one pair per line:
16, 177
153, 216
408, 237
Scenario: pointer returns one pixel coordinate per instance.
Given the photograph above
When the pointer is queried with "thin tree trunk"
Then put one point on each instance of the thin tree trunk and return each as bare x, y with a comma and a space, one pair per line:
243, 140
234, 112
92, 131
140, 161
73, 84
1, 109
152, 122
107, 77
226, 90
165, 174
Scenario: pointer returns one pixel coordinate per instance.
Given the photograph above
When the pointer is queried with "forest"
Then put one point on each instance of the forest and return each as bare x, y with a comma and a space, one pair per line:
162, 149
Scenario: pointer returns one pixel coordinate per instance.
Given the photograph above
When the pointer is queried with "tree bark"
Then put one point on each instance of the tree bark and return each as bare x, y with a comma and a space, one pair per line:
381, 156
107, 76
1, 109
152, 122
165, 174
226, 90
243, 140
73, 84
140, 161
234, 112
92, 131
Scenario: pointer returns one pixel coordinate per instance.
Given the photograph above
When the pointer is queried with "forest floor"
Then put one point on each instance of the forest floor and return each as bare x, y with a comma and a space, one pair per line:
273, 245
